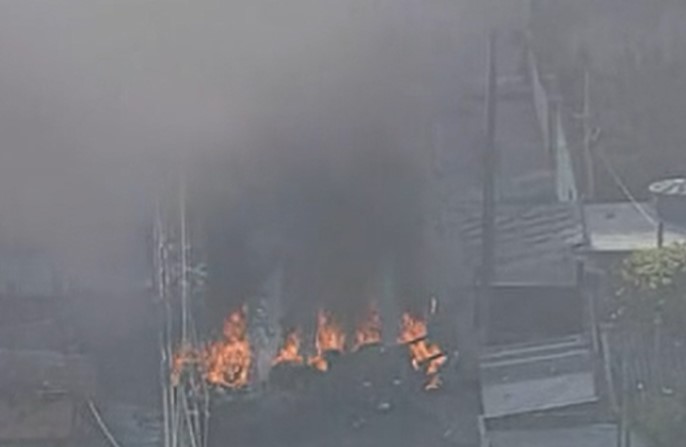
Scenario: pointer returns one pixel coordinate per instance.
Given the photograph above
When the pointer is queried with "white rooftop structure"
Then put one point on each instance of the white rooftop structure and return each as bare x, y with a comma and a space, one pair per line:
626, 226
518, 379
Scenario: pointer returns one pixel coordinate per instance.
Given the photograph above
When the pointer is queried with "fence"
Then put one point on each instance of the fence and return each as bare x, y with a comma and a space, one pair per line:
549, 119
645, 359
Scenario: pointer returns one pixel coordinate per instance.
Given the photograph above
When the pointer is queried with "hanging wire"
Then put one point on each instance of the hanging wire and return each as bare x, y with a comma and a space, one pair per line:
625, 190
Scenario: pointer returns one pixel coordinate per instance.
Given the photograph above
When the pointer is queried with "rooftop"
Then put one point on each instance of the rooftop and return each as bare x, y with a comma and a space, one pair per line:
534, 242
624, 226
536, 377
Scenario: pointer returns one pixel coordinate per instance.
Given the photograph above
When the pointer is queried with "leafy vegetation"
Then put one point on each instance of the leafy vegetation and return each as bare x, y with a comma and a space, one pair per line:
653, 284
652, 297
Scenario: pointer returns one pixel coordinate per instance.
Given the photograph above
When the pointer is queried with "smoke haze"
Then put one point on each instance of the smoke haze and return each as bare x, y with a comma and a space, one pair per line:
312, 118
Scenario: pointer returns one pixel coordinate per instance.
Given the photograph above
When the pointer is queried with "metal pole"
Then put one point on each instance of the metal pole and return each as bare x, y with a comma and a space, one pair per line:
157, 247
553, 134
162, 269
194, 430
488, 211
176, 417
624, 431
188, 419
164, 379
184, 257
588, 157
206, 415
101, 424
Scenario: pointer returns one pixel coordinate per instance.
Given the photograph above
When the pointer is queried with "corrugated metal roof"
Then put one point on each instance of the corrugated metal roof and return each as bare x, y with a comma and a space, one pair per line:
536, 377
534, 242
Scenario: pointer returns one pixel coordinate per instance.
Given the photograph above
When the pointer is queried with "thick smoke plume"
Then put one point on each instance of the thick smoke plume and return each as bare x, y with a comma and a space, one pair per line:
306, 124
333, 209
329, 180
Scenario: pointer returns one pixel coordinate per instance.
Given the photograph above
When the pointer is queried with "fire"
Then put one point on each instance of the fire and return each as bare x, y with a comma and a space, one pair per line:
290, 351
227, 362
330, 337
369, 330
424, 354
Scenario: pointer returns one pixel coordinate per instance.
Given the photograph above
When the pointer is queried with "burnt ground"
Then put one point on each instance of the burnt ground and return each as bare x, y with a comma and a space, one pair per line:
369, 398
319, 425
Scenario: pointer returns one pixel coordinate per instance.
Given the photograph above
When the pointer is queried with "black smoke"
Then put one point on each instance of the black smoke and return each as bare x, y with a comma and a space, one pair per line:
333, 203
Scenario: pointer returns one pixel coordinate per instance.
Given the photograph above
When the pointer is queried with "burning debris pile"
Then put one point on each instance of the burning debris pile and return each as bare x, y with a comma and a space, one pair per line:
369, 330
330, 338
227, 362
290, 351
424, 355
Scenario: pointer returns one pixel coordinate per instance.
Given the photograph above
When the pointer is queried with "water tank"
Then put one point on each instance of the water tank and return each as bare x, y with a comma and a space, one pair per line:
670, 200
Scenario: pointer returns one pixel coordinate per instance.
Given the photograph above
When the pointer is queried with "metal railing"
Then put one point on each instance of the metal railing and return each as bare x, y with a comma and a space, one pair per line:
552, 130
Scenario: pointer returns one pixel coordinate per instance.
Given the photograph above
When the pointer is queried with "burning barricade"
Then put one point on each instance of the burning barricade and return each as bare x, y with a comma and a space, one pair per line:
228, 361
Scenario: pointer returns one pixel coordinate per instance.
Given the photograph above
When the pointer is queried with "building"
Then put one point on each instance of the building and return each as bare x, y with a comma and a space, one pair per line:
40, 395
43, 380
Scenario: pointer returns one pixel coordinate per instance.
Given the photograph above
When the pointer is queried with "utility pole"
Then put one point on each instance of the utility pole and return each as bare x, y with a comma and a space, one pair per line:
184, 256
586, 120
162, 286
185, 398
490, 163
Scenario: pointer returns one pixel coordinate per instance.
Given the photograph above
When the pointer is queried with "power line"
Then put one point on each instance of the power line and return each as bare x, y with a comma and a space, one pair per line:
625, 190
101, 424
591, 139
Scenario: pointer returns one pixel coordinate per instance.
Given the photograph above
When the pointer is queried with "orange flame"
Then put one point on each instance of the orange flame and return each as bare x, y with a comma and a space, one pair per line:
227, 362
422, 351
330, 337
290, 351
369, 330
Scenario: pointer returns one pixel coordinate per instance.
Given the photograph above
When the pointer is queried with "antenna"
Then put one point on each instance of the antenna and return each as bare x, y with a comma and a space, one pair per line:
185, 397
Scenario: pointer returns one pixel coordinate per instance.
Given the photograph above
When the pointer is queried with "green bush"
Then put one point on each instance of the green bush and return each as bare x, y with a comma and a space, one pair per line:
653, 284
652, 287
